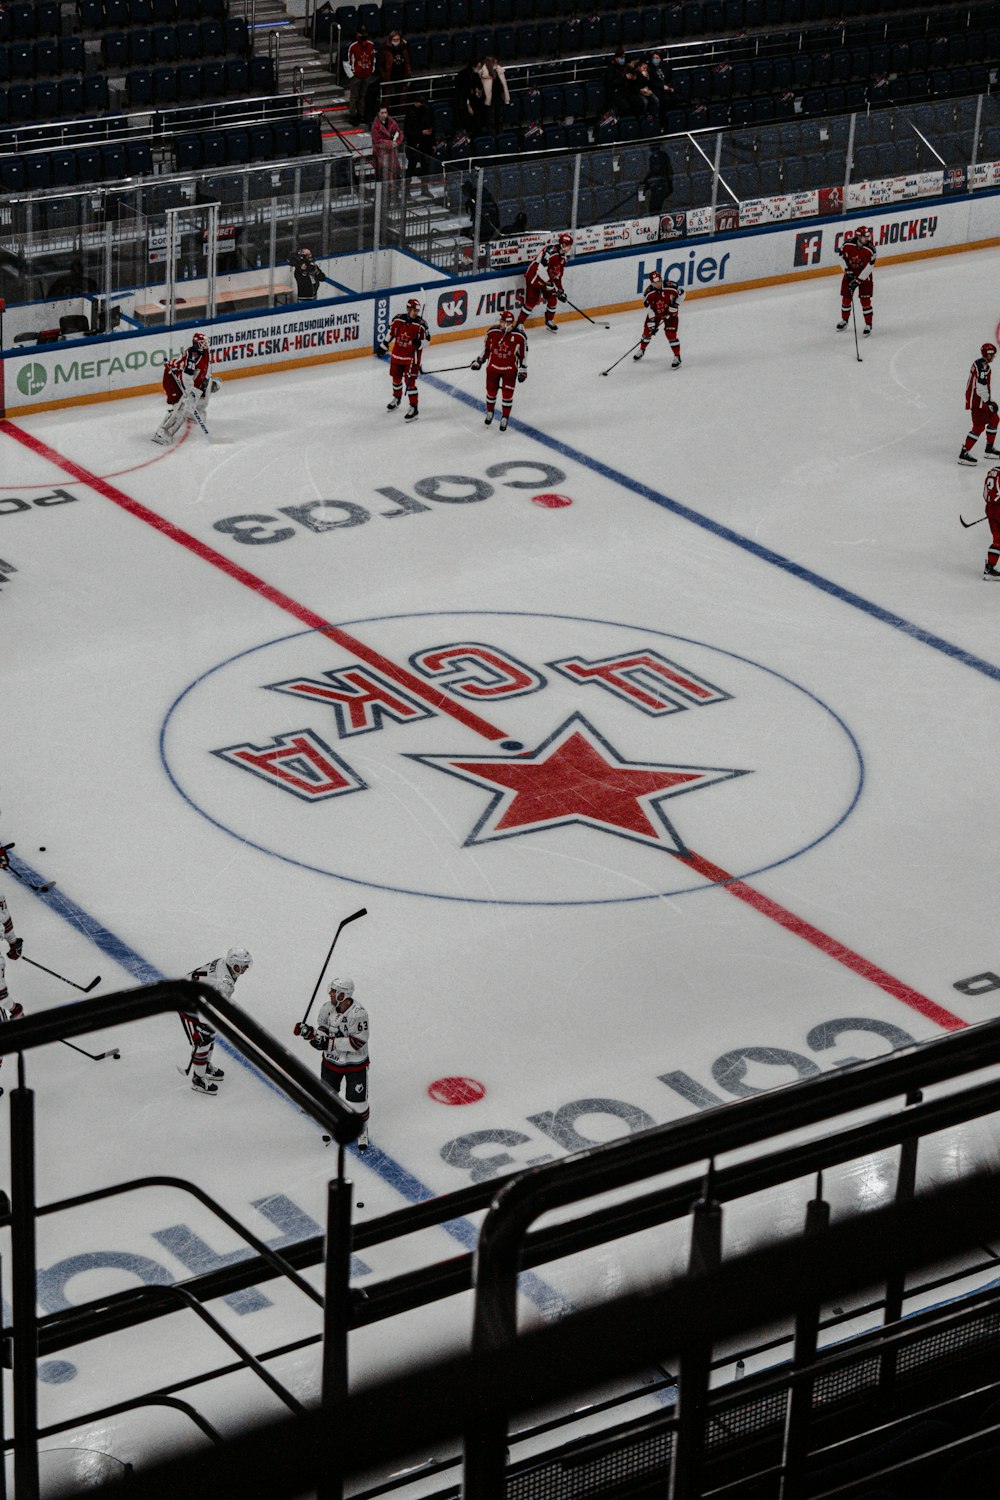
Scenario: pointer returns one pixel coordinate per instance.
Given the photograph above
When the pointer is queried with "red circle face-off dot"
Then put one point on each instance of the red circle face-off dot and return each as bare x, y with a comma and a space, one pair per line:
551, 501
456, 1091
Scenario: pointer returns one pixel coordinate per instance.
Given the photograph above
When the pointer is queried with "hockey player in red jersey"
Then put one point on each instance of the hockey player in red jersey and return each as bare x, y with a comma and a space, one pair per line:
543, 279
505, 355
187, 386
981, 407
662, 303
991, 495
408, 333
858, 255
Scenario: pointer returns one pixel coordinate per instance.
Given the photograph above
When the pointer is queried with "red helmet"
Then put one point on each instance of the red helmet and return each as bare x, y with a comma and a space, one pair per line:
507, 319
565, 239
199, 342
413, 307
988, 351
655, 279
862, 232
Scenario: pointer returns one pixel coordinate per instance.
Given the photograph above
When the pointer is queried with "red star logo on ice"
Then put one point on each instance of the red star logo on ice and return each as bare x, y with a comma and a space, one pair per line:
576, 776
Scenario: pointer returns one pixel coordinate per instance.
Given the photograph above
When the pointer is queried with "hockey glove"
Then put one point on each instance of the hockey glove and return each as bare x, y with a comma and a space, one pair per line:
305, 1031
4, 858
319, 1041
214, 385
561, 294
992, 408
14, 948
477, 364
381, 350
522, 376
852, 284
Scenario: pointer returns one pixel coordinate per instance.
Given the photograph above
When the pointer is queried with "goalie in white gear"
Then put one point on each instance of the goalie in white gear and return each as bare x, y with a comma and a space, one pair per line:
187, 386
221, 974
341, 1034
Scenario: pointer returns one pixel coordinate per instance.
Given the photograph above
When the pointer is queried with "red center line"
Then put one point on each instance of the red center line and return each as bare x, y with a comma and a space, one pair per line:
826, 944
425, 691
433, 696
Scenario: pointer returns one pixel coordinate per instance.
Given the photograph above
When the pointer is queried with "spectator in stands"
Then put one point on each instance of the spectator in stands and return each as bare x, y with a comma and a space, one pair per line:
632, 95
307, 274
650, 115
614, 71
469, 99
419, 130
659, 82
495, 95
361, 66
386, 140
659, 180
394, 70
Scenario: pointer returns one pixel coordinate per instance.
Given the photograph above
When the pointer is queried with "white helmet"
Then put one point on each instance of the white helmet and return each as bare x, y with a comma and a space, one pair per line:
342, 986
238, 960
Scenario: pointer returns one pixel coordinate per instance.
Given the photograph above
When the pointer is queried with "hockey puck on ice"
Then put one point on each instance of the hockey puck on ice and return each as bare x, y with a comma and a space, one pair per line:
41, 848
361, 1205
511, 745
551, 501
456, 1091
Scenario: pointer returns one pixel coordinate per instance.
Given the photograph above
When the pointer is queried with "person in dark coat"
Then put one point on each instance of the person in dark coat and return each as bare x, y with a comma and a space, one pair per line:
307, 274
418, 132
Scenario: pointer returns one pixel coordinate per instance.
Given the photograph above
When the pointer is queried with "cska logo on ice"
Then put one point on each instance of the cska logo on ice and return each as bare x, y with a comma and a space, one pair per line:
512, 758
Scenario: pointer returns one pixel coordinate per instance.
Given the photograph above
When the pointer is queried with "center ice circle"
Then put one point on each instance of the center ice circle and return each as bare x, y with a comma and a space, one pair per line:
401, 825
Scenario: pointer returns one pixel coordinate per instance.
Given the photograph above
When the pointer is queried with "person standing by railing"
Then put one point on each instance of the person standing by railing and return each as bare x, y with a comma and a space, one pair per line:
386, 139
360, 64
394, 70
496, 95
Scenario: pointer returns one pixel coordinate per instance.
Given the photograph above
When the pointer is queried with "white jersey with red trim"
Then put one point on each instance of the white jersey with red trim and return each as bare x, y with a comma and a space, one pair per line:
9, 937
218, 975
346, 1034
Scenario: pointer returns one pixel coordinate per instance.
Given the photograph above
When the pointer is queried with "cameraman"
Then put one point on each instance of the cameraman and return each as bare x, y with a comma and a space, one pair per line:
307, 274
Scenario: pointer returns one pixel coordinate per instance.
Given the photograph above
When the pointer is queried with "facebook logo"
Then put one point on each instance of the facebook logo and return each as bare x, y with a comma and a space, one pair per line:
807, 247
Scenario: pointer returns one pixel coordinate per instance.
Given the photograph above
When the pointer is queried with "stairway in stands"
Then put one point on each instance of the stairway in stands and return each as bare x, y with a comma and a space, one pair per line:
323, 93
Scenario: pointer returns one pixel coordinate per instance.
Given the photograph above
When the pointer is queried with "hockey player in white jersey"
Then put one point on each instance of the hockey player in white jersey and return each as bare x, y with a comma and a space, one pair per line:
341, 1034
13, 943
221, 974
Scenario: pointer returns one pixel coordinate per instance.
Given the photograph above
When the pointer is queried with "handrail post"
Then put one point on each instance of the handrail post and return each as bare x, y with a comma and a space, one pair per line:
494, 1326
24, 1287
895, 1286
337, 1312
695, 1363
800, 1393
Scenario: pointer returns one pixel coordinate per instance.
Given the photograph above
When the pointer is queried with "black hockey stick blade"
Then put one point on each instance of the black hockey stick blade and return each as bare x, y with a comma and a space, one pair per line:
83, 988
92, 985
970, 523
94, 1056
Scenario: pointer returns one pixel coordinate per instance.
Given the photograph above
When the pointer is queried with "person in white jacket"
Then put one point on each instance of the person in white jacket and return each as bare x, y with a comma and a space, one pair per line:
495, 94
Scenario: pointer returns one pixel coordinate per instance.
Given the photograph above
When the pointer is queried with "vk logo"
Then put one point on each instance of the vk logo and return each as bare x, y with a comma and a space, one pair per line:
453, 309
808, 246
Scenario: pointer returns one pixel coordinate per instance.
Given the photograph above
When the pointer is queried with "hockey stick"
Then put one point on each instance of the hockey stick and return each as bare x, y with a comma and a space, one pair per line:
586, 315
854, 325
970, 523
624, 356
362, 912
94, 1056
23, 878
84, 989
448, 369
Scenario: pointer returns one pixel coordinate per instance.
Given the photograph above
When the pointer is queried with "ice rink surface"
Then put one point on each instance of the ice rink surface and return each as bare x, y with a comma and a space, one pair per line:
672, 793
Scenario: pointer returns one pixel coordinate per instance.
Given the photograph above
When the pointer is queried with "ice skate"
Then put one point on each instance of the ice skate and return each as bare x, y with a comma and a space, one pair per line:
411, 415
991, 572
639, 355
842, 326
966, 458
363, 1140
203, 1085
675, 363
489, 419
866, 332
503, 424
214, 1073
991, 452
393, 403
552, 327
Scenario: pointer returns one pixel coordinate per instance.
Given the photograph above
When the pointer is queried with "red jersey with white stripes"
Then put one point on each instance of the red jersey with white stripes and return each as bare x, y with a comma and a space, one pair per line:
506, 350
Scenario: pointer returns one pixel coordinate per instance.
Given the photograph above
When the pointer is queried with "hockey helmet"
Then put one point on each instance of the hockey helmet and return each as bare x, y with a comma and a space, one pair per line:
507, 319
862, 232
238, 960
655, 279
341, 986
413, 307
199, 342
988, 351
565, 241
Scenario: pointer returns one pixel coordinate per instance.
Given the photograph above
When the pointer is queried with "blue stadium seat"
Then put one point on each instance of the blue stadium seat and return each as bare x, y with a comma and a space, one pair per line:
261, 143
213, 80
21, 19
237, 147
96, 96
462, 48
139, 159
286, 138
714, 17
694, 23
310, 139
48, 18
140, 48
237, 76
418, 52
12, 174
114, 161
164, 12
237, 36
116, 14
140, 12
577, 138
70, 96
46, 57
21, 102
36, 171
89, 167
187, 151
188, 10
652, 24
188, 42
414, 16
437, 15
741, 113
164, 45
439, 44
164, 86
188, 82
21, 57
554, 138
553, 102
262, 77
46, 100
213, 148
